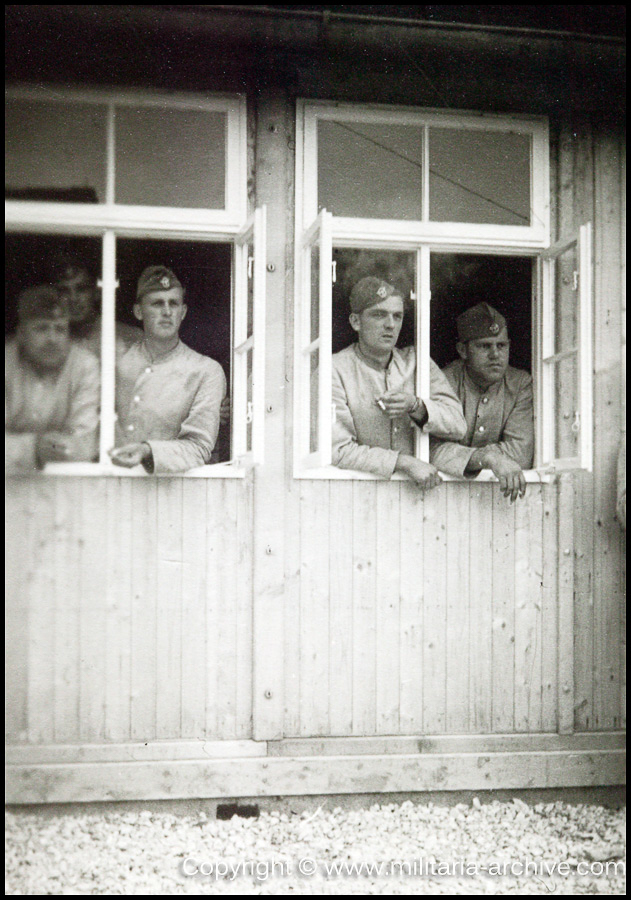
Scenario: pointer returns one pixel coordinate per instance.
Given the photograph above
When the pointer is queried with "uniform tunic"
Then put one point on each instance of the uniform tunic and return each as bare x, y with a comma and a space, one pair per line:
65, 401
364, 437
501, 415
171, 403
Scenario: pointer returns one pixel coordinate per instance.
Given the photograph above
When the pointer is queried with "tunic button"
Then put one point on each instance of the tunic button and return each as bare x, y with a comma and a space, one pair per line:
136, 399
485, 399
130, 428
148, 370
481, 428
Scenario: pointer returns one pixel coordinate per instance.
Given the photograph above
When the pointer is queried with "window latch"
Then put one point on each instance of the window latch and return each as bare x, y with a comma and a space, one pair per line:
576, 424
250, 266
575, 280
333, 414
248, 414
334, 271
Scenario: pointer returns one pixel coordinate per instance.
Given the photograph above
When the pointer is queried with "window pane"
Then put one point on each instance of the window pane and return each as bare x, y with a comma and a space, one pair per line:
55, 151
249, 412
170, 157
566, 402
250, 309
479, 176
315, 293
370, 171
315, 397
565, 295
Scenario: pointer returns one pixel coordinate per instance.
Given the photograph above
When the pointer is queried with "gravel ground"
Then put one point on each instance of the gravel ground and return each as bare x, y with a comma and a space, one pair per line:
409, 846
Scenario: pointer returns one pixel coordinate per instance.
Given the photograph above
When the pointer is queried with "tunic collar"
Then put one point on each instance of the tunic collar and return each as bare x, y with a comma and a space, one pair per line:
370, 362
163, 357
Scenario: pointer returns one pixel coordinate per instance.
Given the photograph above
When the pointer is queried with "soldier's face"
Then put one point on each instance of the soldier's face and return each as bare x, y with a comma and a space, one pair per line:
486, 358
161, 313
80, 292
45, 342
379, 326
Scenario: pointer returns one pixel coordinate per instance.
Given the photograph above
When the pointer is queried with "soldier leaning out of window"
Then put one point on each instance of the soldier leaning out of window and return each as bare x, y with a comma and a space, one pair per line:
376, 409
497, 401
51, 387
168, 397
76, 284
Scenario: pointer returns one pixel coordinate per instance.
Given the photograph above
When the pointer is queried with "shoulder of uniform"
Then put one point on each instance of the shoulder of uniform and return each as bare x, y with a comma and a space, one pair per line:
83, 356
518, 376
205, 362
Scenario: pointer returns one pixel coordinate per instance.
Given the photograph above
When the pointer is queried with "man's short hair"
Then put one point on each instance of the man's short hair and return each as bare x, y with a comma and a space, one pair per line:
480, 321
370, 291
157, 278
68, 265
41, 302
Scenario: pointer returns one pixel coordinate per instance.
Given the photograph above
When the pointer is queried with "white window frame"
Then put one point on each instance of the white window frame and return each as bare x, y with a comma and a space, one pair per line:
424, 238
109, 221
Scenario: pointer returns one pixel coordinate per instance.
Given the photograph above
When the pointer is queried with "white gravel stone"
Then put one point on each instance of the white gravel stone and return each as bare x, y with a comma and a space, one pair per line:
143, 852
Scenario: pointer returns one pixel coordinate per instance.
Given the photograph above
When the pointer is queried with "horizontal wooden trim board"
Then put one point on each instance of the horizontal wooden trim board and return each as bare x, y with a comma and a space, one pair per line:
289, 776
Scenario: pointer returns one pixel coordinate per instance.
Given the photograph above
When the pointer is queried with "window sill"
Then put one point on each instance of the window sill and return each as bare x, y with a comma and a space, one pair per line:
97, 470
332, 473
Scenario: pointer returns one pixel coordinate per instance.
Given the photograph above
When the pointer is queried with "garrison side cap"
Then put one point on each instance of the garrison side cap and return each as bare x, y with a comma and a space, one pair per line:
42, 302
157, 278
480, 321
369, 291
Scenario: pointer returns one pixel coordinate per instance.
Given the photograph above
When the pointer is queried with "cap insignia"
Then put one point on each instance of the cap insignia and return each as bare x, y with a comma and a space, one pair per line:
382, 291
165, 281
494, 328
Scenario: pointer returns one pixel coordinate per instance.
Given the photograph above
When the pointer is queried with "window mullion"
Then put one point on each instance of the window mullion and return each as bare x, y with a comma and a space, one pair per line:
422, 331
110, 156
108, 342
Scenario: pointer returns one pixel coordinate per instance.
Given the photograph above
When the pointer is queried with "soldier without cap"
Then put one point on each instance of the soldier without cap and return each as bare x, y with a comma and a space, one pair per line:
497, 401
376, 408
51, 387
168, 396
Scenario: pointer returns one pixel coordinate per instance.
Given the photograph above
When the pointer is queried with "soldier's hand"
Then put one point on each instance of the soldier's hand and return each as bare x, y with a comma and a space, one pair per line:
225, 411
130, 455
510, 476
422, 473
53, 447
396, 403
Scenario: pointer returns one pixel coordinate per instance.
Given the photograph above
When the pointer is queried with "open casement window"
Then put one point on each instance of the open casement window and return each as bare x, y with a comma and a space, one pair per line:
248, 353
563, 384
313, 342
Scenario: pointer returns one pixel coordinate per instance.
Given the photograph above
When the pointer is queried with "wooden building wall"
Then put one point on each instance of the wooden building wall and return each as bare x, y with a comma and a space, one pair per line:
174, 609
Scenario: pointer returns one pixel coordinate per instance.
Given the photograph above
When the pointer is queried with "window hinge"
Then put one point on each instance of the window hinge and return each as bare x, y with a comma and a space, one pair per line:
248, 414
250, 266
576, 424
333, 414
575, 280
334, 271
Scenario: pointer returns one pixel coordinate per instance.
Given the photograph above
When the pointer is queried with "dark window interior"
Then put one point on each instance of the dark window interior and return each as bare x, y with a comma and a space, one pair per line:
457, 281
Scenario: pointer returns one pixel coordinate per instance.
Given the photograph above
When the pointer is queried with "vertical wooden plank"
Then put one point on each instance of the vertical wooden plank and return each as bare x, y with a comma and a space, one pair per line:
243, 491
314, 609
227, 623
458, 599
607, 392
583, 211
528, 609
92, 613
623, 419
364, 606
435, 610
291, 615
68, 598
341, 608
549, 599
193, 625
273, 160
215, 498
481, 606
18, 557
411, 612
169, 609
566, 606
144, 624
41, 599
503, 625
389, 539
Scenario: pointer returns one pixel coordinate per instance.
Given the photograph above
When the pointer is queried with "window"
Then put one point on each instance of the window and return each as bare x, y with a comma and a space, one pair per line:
138, 180
447, 205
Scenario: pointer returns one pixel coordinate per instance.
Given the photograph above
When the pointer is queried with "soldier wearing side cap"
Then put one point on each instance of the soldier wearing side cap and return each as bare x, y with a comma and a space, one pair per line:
52, 387
376, 408
497, 401
168, 397
75, 283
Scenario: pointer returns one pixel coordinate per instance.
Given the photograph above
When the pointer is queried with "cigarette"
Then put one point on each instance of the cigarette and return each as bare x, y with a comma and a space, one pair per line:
381, 405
